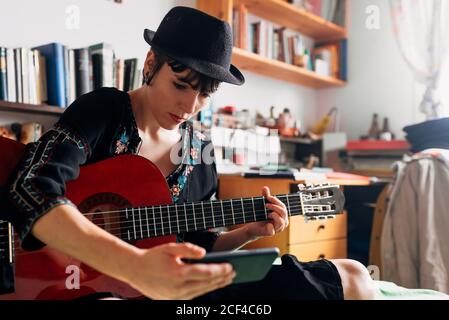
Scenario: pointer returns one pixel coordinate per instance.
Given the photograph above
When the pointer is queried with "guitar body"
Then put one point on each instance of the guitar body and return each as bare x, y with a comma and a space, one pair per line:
128, 197
105, 186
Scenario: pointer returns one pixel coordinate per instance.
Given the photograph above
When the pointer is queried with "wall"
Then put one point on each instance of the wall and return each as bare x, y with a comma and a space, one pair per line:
38, 22
379, 79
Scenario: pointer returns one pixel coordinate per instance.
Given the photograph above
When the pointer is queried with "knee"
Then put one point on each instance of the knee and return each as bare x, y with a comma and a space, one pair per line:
356, 281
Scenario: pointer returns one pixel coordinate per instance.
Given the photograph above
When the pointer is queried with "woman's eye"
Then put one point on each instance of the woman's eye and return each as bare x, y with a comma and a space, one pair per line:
178, 86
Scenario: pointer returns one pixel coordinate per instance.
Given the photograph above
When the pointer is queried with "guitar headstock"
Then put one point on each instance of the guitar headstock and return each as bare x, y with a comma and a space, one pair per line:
321, 201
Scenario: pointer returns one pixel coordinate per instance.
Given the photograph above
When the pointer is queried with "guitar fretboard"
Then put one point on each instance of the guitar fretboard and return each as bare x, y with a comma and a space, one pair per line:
155, 221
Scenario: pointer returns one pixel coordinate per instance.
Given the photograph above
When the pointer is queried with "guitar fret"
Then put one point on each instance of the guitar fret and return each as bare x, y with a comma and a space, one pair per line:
127, 219
265, 208
134, 223
141, 230
288, 205
232, 210
243, 211
177, 218
212, 210
204, 219
222, 212
162, 221
254, 209
193, 214
148, 222
169, 222
185, 214
154, 222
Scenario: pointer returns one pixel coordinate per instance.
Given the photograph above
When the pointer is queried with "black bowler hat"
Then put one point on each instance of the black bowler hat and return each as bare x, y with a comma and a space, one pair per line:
197, 40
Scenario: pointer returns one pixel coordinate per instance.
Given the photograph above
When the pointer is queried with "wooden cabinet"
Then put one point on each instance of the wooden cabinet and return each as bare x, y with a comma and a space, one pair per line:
308, 241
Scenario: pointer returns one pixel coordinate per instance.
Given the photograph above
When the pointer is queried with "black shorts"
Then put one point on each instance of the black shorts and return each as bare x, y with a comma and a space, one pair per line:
316, 280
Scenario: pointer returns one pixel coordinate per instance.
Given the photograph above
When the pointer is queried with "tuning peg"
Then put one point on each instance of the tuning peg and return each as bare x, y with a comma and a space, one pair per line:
331, 217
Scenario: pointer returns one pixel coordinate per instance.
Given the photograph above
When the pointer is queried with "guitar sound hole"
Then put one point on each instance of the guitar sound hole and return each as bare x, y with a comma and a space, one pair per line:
103, 209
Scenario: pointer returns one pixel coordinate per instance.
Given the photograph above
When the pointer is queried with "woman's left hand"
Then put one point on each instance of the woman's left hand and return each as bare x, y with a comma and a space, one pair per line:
278, 218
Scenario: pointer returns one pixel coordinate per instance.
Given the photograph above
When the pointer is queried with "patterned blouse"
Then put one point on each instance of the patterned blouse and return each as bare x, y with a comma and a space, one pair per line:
97, 126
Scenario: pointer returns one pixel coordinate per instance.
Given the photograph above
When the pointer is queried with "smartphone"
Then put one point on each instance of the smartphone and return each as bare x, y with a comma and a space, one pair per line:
249, 265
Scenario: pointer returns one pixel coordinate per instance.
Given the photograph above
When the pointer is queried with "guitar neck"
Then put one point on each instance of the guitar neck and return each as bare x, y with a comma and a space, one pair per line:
154, 221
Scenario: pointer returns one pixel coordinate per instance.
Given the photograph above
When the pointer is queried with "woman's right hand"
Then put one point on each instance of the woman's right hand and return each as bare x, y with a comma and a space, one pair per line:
159, 272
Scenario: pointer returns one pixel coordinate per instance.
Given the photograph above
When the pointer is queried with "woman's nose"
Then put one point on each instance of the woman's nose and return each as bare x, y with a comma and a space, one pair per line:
191, 103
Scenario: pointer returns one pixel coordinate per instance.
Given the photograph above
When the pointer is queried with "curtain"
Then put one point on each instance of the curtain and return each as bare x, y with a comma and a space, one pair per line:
421, 28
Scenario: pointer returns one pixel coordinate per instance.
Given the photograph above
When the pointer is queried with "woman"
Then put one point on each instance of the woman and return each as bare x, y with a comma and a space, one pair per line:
190, 57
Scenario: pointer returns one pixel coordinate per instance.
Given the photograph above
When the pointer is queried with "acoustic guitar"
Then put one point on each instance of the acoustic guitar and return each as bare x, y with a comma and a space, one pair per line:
136, 207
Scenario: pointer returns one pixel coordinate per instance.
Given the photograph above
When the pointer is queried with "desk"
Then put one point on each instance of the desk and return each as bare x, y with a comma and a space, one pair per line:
308, 241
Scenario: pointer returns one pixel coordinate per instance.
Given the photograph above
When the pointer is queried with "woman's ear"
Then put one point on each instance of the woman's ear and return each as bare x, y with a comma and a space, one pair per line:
149, 62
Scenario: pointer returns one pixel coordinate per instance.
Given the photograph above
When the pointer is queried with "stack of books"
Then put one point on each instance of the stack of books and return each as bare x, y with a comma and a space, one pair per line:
375, 156
335, 57
265, 38
56, 75
330, 10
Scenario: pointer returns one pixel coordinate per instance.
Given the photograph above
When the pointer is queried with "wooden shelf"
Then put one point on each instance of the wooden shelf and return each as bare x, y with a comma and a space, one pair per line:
280, 70
295, 18
297, 140
42, 109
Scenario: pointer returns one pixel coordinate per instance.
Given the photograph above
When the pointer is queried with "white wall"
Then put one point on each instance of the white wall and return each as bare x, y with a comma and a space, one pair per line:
379, 79
38, 22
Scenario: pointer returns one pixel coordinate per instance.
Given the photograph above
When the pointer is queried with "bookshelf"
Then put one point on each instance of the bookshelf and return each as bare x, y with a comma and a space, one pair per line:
41, 109
283, 71
290, 16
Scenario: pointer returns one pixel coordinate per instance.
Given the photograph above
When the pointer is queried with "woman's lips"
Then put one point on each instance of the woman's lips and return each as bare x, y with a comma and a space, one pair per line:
176, 118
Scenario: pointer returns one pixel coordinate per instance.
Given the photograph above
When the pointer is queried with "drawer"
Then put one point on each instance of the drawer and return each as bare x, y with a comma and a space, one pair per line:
317, 230
329, 249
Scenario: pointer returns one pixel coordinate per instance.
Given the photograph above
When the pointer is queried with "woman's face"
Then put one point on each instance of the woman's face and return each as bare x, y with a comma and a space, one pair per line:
174, 101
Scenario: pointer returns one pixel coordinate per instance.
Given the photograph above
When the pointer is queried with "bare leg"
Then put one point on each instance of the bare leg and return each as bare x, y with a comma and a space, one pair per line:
356, 281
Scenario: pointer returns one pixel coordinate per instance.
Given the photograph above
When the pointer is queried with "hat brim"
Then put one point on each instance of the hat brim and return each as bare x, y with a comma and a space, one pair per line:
214, 71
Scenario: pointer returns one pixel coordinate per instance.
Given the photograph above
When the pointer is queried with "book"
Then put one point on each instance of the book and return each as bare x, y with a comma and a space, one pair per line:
18, 73
25, 75
103, 65
54, 57
31, 78
11, 75
130, 70
340, 13
120, 74
43, 78
82, 71
343, 50
3, 79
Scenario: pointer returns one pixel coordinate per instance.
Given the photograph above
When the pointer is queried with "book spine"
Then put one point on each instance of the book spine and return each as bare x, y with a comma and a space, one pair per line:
66, 76
11, 75
43, 78
18, 71
72, 82
82, 71
3, 79
32, 78
25, 77
54, 57
97, 62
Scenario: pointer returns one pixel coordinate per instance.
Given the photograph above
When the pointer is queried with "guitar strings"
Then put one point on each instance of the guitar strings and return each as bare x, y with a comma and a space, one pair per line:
118, 235
166, 220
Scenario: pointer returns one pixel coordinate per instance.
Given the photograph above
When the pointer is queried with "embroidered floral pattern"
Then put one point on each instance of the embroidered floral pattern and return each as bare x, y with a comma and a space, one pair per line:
121, 145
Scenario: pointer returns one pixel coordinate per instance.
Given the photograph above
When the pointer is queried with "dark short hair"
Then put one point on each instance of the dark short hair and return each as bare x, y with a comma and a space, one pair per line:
204, 84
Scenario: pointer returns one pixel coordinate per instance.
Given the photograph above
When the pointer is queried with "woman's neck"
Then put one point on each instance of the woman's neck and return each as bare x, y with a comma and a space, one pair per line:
142, 108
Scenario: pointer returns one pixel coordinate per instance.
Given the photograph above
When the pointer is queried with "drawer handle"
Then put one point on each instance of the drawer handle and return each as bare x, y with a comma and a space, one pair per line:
321, 227
321, 256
